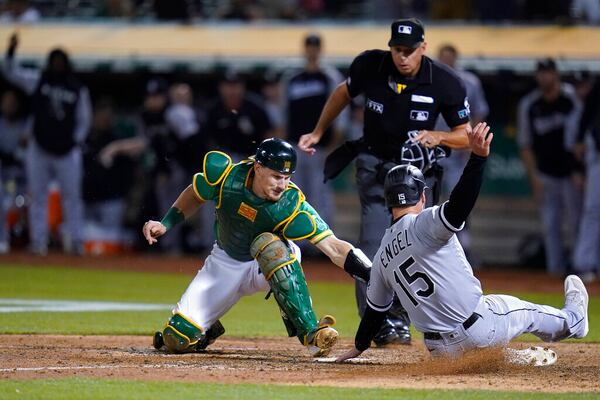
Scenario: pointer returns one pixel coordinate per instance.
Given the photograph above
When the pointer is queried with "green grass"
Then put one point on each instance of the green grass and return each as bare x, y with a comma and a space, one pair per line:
85, 284
252, 316
74, 388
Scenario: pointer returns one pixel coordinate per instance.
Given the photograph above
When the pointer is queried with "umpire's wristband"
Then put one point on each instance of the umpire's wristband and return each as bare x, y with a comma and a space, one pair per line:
172, 218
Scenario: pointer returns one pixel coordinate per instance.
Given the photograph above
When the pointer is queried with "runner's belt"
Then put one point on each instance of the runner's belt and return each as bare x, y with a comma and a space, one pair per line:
467, 324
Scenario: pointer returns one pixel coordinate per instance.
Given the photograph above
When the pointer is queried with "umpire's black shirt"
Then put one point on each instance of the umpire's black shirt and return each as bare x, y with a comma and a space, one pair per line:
395, 104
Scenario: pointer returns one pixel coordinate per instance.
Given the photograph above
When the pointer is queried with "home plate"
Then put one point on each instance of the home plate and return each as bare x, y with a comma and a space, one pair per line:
350, 361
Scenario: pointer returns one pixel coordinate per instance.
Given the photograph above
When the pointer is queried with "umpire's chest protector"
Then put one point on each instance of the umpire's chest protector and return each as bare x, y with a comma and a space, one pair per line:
396, 104
241, 215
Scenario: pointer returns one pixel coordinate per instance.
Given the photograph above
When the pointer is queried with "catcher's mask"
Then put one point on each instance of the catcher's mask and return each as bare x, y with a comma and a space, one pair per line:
413, 153
403, 186
277, 155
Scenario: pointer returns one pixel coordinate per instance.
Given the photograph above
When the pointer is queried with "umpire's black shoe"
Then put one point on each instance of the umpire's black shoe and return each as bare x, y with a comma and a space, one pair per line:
402, 327
216, 330
387, 335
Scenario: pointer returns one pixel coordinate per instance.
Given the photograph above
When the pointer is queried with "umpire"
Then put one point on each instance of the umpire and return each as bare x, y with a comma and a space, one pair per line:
404, 91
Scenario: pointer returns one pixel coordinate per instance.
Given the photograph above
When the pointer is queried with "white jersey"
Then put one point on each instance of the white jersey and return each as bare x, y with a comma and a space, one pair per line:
422, 261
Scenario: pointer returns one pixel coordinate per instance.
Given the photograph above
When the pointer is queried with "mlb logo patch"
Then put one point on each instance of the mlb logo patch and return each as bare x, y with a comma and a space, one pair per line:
375, 106
405, 29
287, 165
418, 115
465, 112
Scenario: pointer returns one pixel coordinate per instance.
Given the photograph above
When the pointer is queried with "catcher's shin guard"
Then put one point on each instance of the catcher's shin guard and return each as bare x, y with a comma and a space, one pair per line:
284, 274
181, 335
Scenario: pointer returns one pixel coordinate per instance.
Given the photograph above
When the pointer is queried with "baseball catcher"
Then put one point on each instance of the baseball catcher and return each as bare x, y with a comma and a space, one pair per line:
259, 213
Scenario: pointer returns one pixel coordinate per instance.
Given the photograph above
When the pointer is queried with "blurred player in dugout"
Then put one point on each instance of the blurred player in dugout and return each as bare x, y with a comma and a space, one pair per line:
305, 93
62, 115
586, 257
547, 129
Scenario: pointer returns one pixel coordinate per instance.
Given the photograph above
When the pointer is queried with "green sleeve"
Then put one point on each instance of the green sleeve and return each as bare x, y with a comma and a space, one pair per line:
307, 224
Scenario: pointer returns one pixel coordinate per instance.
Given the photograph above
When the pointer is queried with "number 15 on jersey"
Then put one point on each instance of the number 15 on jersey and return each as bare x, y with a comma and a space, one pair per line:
404, 279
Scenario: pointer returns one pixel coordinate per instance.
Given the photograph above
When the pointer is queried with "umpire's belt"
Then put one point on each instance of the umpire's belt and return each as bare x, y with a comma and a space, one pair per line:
467, 324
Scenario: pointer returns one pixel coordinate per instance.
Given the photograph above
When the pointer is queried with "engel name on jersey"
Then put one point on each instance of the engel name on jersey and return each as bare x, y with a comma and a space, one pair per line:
418, 260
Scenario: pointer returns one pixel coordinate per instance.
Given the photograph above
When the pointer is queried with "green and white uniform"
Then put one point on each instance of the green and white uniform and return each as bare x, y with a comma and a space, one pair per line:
231, 271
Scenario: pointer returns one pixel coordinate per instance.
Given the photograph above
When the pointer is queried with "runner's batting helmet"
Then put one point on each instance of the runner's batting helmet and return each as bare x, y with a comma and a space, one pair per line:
403, 186
277, 155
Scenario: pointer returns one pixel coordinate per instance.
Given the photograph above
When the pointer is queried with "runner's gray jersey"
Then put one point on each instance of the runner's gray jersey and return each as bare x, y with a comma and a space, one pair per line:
421, 258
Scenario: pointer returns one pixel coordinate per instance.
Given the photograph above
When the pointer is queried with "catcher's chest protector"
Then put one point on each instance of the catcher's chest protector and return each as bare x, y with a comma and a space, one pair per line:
242, 215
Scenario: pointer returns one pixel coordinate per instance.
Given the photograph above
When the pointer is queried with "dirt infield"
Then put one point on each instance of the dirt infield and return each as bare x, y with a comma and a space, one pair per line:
284, 361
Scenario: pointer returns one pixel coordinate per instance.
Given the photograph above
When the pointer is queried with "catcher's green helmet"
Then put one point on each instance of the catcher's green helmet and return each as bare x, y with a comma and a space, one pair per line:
277, 155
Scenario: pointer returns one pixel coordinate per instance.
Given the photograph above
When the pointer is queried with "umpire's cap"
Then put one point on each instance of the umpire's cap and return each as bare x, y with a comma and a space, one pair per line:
407, 32
403, 186
277, 155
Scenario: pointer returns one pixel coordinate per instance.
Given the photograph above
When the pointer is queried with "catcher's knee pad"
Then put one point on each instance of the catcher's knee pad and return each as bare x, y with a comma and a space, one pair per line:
284, 274
181, 335
271, 253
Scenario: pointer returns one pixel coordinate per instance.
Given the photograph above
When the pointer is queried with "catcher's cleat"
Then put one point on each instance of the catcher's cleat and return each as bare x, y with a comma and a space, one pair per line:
535, 356
324, 338
576, 300
217, 329
157, 340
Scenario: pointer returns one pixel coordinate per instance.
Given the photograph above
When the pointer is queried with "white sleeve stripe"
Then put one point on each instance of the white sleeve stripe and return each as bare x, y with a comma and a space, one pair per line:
447, 224
378, 308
